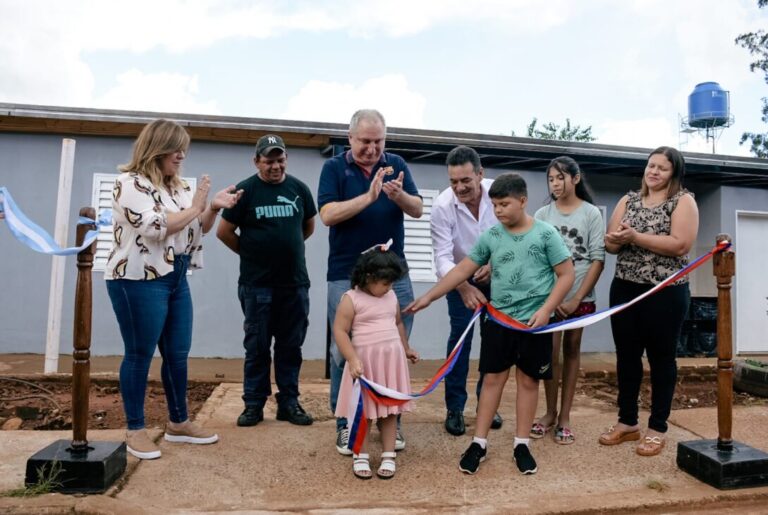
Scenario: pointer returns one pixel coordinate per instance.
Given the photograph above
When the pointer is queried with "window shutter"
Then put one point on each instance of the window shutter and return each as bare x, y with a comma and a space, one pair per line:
418, 241
102, 199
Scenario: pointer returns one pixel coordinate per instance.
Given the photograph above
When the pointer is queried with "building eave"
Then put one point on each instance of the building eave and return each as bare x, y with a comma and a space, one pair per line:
414, 144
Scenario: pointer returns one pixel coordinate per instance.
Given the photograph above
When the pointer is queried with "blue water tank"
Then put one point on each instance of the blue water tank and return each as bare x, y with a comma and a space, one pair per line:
708, 106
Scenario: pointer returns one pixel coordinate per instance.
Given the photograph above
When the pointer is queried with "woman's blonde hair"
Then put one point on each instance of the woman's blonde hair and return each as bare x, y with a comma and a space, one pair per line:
158, 139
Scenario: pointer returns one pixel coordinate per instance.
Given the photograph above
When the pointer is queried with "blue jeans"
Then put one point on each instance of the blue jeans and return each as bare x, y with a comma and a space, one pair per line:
155, 313
456, 381
404, 292
282, 314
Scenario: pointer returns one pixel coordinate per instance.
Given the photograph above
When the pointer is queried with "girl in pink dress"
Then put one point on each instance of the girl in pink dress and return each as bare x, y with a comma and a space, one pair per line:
378, 348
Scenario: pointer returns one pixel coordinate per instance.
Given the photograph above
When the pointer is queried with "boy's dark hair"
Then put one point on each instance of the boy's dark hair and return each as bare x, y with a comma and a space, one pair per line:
565, 164
462, 155
377, 265
508, 185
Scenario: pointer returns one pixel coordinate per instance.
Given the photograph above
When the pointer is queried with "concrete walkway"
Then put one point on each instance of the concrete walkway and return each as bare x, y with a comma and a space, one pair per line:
275, 466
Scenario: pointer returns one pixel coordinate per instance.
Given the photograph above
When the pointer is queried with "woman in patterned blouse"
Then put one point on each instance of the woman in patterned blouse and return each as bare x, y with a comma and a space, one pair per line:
158, 223
651, 231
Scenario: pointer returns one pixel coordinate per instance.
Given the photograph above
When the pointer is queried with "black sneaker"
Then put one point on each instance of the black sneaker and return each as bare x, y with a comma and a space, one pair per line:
342, 442
454, 423
250, 416
472, 458
294, 414
497, 421
525, 462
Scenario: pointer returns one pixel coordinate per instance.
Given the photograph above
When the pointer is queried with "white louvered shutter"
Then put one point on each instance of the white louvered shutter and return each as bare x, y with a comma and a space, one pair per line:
418, 242
102, 199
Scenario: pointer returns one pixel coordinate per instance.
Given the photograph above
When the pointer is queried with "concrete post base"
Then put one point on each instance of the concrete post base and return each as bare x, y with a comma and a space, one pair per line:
89, 472
741, 467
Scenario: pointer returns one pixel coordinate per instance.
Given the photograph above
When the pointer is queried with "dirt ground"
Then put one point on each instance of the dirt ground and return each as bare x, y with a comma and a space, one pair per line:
688, 394
47, 404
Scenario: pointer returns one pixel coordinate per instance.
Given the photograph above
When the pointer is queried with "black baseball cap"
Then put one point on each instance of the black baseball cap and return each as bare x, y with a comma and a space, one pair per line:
268, 143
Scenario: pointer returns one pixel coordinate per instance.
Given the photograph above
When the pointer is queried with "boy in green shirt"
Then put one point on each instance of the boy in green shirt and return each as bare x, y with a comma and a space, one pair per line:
532, 271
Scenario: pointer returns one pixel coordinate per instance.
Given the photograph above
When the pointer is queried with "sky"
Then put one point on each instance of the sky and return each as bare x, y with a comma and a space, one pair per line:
485, 66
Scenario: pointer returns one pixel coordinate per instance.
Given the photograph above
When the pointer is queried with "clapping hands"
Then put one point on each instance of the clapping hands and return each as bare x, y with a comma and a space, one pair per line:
376, 185
394, 188
624, 235
200, 198
226, 198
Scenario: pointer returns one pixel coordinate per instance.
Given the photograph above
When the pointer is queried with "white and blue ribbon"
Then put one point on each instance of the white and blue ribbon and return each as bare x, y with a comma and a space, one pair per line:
36, 238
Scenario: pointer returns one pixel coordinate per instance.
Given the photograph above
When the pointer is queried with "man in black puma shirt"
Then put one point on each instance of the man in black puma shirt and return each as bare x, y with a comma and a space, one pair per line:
274, 217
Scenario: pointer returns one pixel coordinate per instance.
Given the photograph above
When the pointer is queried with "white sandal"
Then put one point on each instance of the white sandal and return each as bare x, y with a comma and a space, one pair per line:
361, 467
388, 466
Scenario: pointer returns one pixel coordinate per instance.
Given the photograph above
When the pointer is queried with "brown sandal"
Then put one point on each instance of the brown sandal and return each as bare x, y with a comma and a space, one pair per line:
650, 446
614, 436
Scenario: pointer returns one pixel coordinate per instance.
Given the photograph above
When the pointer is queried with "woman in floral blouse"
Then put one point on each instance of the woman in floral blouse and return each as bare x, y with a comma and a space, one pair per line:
651, 231
158, 223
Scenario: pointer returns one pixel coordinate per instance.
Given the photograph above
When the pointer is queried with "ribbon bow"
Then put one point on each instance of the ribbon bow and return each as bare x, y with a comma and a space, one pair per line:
381, 246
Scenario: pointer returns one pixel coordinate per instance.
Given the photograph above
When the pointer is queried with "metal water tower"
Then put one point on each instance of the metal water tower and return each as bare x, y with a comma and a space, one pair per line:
709, 112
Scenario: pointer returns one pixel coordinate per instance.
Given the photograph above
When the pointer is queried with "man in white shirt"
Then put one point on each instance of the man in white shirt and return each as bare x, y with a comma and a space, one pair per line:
459, 215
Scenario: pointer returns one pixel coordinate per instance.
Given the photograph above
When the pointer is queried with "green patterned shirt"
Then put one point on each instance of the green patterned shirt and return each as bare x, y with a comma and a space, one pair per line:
522, 264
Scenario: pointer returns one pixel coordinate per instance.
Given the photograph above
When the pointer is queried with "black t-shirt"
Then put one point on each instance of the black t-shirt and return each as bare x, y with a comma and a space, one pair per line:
270, 218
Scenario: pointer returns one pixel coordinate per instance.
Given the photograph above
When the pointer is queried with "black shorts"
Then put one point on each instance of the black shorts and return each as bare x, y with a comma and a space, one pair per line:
502, 348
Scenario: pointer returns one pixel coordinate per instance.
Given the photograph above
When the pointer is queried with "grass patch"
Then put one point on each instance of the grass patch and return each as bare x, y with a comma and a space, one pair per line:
47, 482
657, 484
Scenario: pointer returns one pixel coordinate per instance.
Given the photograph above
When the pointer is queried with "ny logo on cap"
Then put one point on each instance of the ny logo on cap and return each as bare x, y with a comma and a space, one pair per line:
272, 140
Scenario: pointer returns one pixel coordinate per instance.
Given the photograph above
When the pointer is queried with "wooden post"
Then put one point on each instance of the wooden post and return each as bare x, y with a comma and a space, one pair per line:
81, 364
724, 267
724, 463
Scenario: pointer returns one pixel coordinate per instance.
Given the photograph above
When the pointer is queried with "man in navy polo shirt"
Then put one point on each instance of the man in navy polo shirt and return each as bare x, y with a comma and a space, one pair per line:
362, 196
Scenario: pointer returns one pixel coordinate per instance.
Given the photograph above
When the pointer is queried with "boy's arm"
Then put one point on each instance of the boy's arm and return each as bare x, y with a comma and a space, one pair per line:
452, 279
411, 354
565, 277
342, 325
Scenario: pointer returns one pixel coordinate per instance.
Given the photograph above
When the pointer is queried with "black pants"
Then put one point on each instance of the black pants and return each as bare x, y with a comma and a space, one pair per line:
652, 325
280, 314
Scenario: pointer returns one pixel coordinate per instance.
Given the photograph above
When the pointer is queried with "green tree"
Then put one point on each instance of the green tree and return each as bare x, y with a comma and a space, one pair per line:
553, 131
757, 44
